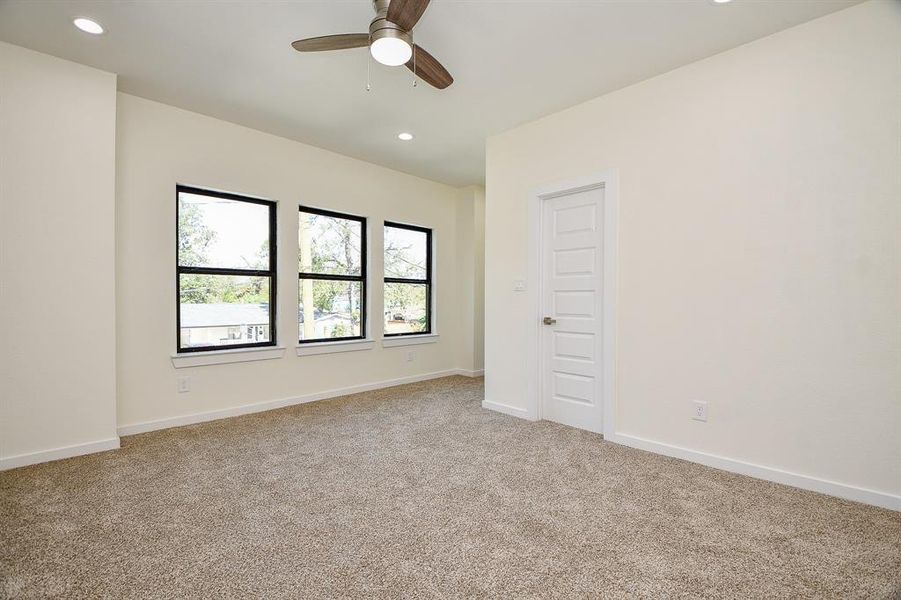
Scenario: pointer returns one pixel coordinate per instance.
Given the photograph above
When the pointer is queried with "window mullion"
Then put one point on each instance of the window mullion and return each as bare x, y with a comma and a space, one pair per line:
225, 271
330, 277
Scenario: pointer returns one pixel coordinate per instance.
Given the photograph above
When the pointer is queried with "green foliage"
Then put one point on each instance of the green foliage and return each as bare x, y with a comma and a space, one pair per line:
261, 260
209, 289
194, 239
405, 298
334, 245
401, 297
334, 249
399, 264
325, 293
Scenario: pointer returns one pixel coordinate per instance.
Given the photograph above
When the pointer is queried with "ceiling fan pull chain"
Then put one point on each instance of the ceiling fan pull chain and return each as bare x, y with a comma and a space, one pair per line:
369, 68
414, 61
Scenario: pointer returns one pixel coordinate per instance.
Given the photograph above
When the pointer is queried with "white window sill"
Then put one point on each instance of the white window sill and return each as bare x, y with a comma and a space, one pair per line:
333, 347
409, 340
221, 357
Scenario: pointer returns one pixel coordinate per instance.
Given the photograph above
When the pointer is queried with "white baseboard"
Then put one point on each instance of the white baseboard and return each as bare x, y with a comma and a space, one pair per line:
246, 409
513, 411
33, 458
805, 482
468, 373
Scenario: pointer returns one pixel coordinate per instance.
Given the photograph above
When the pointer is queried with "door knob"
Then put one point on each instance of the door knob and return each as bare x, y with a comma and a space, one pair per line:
548, 321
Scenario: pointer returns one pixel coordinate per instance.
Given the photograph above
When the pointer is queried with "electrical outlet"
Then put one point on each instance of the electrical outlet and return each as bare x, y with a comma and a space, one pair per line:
519, 285
699, 411
184, 384
410, 356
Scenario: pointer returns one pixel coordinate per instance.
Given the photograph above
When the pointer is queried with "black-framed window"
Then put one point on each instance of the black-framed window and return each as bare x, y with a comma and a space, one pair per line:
225, 270
408, 279
331, 276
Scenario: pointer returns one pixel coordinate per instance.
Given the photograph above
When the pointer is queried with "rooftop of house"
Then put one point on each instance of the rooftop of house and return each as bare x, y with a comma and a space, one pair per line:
224, 314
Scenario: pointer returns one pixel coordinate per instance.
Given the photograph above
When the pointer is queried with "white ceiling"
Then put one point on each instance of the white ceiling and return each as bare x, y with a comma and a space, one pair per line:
513, 61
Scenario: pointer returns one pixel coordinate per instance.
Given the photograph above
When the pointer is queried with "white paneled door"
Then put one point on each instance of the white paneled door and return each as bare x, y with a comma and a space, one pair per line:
572, 265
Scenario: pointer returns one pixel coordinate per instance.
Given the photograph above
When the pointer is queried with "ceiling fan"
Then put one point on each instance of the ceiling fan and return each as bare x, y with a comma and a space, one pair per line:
389, 41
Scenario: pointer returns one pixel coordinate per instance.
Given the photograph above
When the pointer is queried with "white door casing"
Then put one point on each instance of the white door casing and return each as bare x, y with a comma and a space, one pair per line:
534, 367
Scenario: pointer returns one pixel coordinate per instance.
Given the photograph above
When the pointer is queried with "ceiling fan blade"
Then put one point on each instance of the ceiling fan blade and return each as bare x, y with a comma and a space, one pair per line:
429, 69
406, 13
332, 42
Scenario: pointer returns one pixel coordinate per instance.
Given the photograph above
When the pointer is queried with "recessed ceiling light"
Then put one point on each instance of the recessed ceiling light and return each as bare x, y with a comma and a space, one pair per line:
88, 26
406, 137
721, 1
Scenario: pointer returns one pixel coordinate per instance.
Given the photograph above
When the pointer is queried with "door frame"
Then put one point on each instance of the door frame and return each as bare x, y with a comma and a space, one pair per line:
608, 181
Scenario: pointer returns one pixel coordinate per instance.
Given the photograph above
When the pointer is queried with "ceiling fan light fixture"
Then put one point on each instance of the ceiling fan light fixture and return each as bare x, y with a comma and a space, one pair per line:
389, 44
391, 51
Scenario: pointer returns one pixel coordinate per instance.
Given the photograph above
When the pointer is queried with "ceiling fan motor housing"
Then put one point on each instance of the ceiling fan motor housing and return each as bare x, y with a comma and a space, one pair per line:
381, 27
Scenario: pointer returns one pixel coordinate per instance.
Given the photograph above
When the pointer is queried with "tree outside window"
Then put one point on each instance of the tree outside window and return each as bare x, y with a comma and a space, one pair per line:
332, 273
408, 279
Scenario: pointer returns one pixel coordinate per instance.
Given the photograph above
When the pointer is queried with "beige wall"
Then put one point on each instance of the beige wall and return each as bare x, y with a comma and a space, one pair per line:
478, 308
759, 248
470, 293
57, 257
160, 146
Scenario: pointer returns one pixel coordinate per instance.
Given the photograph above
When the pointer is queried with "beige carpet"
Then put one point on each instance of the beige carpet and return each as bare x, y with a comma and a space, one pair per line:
416, 491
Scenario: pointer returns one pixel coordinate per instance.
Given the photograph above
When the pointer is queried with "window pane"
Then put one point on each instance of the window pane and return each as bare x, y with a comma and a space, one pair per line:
405, 308
220, 233
329, 309
405, 253
330, 245
223, 310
